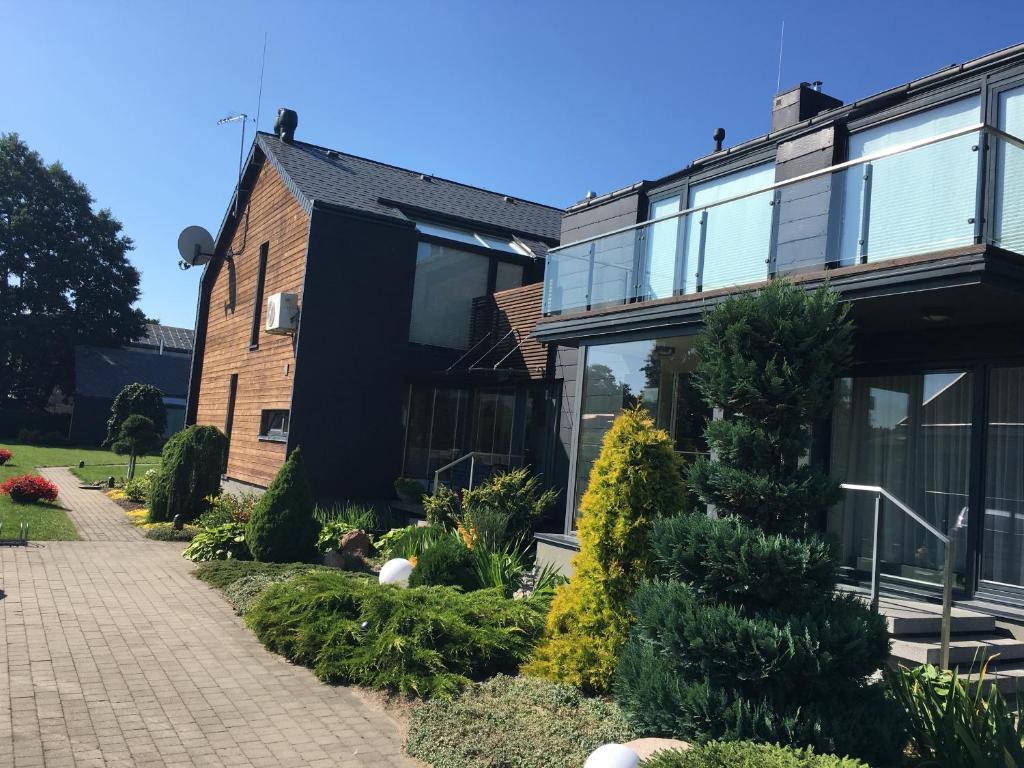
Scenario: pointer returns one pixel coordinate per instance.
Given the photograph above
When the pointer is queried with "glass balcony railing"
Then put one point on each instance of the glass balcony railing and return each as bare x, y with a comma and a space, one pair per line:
956, 189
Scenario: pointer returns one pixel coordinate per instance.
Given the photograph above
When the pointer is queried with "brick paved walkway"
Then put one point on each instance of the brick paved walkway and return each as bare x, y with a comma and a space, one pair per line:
112, 654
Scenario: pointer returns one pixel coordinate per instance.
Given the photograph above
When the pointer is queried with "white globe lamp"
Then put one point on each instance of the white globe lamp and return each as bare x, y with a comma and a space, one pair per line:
395, 571
612, 756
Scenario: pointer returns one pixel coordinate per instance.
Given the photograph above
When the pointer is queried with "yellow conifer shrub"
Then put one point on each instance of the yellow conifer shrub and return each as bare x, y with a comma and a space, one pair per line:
636, 478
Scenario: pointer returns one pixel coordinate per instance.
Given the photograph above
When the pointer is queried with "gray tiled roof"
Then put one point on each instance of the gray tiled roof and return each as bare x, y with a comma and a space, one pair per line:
352, 182
104, 371
179, 339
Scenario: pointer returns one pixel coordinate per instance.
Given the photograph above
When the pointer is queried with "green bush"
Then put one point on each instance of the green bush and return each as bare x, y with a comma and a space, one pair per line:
222, 542
411, 541
954, 726
524, 722
446, 563
136, 399
228, 508
745, 754
167, 532
442, 508
515, 497
724, 560
189, 473
636, 479
407, 486
281, 528
426, 641
139, 489
339, 520
241, 594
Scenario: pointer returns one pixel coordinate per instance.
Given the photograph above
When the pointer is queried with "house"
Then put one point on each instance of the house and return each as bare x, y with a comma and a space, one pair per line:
407, 348
161, 357
910, 203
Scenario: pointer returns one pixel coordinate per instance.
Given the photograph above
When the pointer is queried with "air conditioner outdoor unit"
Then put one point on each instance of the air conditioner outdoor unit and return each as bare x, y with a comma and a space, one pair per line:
282, 313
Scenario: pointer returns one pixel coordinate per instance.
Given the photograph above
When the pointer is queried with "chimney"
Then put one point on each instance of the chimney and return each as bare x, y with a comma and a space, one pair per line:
285, 124
799, 104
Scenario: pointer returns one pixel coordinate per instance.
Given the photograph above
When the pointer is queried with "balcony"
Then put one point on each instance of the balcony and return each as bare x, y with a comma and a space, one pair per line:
956, 189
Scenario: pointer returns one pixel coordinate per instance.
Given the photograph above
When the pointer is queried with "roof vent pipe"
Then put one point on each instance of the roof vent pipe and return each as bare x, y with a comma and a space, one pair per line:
285, 124
816, 86
719, 137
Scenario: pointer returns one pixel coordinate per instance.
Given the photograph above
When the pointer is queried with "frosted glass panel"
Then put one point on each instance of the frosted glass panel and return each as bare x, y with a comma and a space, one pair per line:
738, 234
1008, 231
662, 239
447, 280
920, 200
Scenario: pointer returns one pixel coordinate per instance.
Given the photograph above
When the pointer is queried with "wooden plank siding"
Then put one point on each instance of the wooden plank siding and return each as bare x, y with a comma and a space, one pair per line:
517, 309
265, 374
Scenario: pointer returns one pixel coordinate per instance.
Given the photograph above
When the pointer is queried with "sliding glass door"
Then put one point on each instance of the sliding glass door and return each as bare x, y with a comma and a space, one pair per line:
911, 435
1002, 558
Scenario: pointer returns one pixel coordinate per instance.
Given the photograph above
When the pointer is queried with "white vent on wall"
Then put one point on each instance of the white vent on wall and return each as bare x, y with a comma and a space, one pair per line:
282, 313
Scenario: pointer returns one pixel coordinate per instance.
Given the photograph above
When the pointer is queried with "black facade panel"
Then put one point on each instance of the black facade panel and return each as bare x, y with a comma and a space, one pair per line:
604, 217
352, 347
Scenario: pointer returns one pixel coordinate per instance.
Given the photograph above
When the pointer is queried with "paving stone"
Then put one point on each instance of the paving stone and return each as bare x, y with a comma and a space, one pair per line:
112, 654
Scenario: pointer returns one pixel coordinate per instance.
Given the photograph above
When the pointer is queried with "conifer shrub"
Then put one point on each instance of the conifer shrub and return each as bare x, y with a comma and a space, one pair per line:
448, 562
189, 474
636, 478
745, 754
423, 641
281, 528
743, 636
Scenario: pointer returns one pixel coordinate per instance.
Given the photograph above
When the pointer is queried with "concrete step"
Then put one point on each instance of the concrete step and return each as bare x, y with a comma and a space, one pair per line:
907, 618
1009, 678
963, 649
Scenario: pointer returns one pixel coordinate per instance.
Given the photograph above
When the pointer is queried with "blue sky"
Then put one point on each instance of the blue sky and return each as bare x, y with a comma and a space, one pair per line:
542, 100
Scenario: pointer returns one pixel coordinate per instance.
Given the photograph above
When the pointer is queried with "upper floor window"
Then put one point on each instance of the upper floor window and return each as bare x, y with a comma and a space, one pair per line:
274, 425
447, 280
493, 242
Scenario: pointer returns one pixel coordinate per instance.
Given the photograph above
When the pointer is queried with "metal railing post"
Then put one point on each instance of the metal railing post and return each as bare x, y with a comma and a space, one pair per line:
472, 469
876, 575
947, 602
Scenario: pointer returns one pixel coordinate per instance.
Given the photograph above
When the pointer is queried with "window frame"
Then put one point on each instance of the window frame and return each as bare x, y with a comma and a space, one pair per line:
257, 310
268, 435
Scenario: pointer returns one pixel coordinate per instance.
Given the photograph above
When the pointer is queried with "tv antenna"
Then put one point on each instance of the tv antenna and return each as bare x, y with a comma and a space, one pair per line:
243, 119
782, 40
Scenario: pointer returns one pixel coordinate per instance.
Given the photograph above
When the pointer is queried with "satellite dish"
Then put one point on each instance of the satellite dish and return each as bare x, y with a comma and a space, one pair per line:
195, 245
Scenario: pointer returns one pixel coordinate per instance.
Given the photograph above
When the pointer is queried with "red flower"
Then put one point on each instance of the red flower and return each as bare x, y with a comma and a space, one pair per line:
5, 456
27, 489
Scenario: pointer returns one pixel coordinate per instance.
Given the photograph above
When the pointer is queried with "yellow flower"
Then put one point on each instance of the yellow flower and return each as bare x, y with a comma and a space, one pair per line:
412, 559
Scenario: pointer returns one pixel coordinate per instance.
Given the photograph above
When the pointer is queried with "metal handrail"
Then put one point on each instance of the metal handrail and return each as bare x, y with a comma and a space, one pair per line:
472, 466
946, 538
881, 154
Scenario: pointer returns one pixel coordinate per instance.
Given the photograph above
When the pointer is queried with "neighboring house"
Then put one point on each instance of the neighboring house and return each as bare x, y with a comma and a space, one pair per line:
408, 345
911, 204
162, 358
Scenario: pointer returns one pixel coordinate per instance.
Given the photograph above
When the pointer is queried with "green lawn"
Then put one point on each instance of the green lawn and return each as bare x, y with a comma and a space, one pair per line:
98, 473
48, 521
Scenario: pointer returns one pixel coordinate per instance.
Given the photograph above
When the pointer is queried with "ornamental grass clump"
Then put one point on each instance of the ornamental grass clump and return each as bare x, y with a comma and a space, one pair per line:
743, 636
281, 528
636, 478
524, 722
425, 641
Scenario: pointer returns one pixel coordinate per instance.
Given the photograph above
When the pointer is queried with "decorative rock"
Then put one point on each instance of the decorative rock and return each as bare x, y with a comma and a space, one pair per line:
396, 571
612, 756
644, 748
354, 543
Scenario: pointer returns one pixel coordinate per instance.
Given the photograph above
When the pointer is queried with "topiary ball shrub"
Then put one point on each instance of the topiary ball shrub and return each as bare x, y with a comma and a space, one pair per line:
636, 478
447, 562
136, 399
524, 722
281, 528
28, 489
423, 641
745, 754
189, 473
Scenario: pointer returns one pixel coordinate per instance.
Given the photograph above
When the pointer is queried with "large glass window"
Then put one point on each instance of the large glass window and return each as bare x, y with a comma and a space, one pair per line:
1009, 191
1003, 546
508, 276
736, 236
434, 428
912, 436
447, 280
917, 201
654, 373
493, 434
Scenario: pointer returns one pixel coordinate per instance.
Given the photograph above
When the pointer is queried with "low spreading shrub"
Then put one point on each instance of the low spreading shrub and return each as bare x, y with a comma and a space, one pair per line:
281, 528
167, 532
426, 641
222, 542
28, 489
954, 726
241, 594
221, 574
524, 722
745, 754
447, 562
5, 456
139, 489
227, 508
